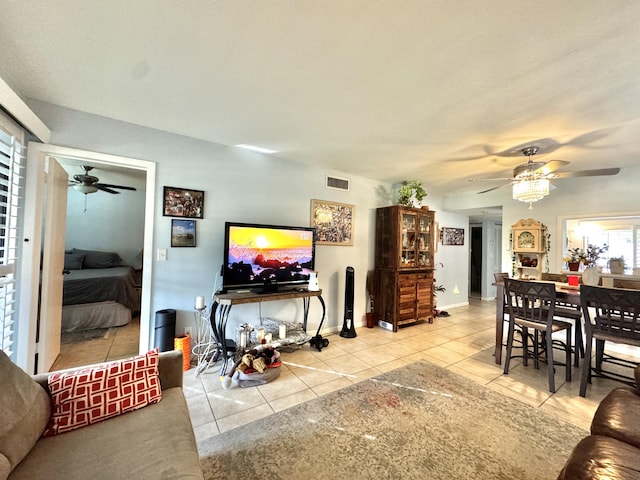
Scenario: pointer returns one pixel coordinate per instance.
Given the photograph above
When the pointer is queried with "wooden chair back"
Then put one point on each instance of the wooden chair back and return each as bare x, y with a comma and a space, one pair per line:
611, 312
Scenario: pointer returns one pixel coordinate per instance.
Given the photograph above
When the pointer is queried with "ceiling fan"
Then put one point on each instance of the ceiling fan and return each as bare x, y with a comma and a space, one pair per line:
85, 183
545, 171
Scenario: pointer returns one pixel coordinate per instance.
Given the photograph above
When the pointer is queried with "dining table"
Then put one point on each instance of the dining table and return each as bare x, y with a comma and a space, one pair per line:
565, 293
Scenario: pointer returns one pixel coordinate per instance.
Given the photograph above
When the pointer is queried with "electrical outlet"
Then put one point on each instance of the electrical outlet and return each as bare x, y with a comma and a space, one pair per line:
187, 331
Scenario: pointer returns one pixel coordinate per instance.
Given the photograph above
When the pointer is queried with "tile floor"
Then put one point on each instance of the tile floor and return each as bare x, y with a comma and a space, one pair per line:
462, 342
121, 342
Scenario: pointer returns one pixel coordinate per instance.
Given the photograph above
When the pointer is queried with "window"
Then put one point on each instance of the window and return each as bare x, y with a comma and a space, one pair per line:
12, 165
621, 234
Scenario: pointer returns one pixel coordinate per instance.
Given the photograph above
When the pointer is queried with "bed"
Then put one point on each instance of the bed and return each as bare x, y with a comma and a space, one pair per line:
99, 290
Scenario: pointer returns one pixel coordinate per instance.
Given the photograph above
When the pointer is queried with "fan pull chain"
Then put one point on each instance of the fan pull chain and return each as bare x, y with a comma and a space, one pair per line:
85, 203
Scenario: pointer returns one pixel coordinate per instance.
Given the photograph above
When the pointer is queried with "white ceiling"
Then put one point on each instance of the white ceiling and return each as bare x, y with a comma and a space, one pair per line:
440, 91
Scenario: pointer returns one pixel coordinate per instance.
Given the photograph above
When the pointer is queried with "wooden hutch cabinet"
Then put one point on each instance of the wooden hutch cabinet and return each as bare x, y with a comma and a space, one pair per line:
404, 265
528, 248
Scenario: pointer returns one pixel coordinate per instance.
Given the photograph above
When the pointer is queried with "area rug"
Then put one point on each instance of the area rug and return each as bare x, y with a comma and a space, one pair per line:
419, 421
84, 335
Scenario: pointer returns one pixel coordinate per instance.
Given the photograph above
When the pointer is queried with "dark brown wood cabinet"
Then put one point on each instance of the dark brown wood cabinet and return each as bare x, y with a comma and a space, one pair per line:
404, 265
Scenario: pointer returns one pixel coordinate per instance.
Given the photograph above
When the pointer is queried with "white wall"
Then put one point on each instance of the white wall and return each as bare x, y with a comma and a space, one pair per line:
452, 261
111, 222
239, 186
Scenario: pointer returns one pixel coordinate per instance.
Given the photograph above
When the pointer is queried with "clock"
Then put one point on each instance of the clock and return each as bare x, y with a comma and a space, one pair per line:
527, 236
526, 240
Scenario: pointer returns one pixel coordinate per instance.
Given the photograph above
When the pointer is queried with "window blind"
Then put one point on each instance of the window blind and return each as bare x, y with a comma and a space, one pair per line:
12, 180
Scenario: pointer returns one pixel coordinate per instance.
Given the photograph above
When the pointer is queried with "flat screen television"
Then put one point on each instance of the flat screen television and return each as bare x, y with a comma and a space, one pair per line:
267, 257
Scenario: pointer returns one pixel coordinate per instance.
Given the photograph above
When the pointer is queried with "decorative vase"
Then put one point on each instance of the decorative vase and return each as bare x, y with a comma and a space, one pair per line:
616, 266
573, 266
590, 276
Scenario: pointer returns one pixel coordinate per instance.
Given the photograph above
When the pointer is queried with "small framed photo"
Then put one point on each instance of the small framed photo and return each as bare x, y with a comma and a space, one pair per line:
182, 202
333, 222
183, 233
452, 236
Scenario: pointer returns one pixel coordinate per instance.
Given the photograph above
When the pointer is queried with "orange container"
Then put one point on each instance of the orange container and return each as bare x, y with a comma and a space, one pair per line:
183, 343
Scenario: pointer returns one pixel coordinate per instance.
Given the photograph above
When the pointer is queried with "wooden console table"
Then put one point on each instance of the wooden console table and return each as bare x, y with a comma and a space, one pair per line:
223, 302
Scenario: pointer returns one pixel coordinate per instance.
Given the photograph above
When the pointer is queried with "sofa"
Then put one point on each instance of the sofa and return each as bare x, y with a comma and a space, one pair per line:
155, 441
612, 451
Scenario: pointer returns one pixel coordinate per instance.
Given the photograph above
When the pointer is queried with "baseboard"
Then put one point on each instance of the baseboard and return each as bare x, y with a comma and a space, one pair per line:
454, 305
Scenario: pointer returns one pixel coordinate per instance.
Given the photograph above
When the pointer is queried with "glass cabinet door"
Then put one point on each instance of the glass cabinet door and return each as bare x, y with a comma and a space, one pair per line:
424, 241
408, 224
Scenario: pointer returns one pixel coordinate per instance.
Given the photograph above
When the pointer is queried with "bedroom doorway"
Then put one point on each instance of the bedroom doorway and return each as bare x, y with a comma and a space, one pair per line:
38, 154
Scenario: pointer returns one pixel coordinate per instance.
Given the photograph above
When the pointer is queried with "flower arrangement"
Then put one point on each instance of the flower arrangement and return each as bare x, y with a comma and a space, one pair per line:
575, 255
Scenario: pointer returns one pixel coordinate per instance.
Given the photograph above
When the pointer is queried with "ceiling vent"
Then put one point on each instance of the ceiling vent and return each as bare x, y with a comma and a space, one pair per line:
337, 183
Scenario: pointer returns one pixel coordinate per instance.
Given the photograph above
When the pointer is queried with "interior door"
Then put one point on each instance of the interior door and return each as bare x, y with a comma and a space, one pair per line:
53, 241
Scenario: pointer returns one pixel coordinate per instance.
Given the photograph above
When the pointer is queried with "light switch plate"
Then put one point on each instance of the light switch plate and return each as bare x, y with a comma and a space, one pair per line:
162, 254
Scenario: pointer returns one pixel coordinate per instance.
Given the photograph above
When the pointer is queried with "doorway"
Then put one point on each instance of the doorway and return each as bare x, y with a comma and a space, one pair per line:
475, 262
38, 155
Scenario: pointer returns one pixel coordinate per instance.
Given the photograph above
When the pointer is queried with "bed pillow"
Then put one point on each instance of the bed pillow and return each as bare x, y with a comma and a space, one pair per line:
97, 259
25, 409
73, 261
90, 395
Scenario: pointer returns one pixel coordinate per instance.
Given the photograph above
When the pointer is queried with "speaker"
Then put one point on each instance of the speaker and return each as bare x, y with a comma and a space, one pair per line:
348, 331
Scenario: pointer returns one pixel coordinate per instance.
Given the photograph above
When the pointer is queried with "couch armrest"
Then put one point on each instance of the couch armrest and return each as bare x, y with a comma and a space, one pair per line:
169, 371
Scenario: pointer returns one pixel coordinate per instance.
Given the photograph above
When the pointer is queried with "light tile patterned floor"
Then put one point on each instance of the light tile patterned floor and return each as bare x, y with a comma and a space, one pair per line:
462, 342
121, 342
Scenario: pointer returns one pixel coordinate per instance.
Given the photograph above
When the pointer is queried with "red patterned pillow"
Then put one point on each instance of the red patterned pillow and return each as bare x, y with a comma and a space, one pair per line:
90, 395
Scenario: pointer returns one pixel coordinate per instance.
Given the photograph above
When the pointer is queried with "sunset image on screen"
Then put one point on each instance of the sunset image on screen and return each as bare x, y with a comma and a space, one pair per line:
260, 253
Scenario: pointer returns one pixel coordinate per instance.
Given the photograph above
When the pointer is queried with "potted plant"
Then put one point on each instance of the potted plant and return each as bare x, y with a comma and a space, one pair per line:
591, 275
409, 191
574, 257
616, 265
592, 254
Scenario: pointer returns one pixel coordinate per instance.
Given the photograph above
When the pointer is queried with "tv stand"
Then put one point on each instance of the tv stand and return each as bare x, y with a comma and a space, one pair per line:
223, 302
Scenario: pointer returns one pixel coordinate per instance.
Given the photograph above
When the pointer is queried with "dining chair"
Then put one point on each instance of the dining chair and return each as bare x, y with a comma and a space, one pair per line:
569, 311
531, 305
610, 315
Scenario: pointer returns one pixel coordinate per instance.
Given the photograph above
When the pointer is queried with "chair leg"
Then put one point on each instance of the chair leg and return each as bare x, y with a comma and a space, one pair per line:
599, 354
550, 367
578, 344
568, 355
586, 368
510, 335
536, 350
525, 346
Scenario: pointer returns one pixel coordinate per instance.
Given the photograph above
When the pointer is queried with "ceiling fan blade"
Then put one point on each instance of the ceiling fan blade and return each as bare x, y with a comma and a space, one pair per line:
492, 188
588, 173
108, 185
551, 166
104, 188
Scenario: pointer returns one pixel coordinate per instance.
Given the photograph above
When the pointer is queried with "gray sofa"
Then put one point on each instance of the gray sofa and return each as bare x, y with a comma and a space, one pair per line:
154, 442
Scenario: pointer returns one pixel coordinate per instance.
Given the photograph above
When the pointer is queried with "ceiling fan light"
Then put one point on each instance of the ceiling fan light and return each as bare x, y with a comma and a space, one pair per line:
531, 190
85, 188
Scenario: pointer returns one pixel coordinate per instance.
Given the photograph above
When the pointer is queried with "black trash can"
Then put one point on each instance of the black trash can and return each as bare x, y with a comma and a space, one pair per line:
165, 330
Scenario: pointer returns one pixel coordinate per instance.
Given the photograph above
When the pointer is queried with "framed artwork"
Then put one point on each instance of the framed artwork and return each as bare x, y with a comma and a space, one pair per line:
452, 236
182, 202
333, 222
183, 233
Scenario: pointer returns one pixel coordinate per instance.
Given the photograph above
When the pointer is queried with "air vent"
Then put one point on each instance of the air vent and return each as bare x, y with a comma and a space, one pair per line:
337, 183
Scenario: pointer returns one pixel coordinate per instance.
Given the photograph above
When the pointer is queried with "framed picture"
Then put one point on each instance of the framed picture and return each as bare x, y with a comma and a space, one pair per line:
333, 222
182, 202
183, 233
452, 236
